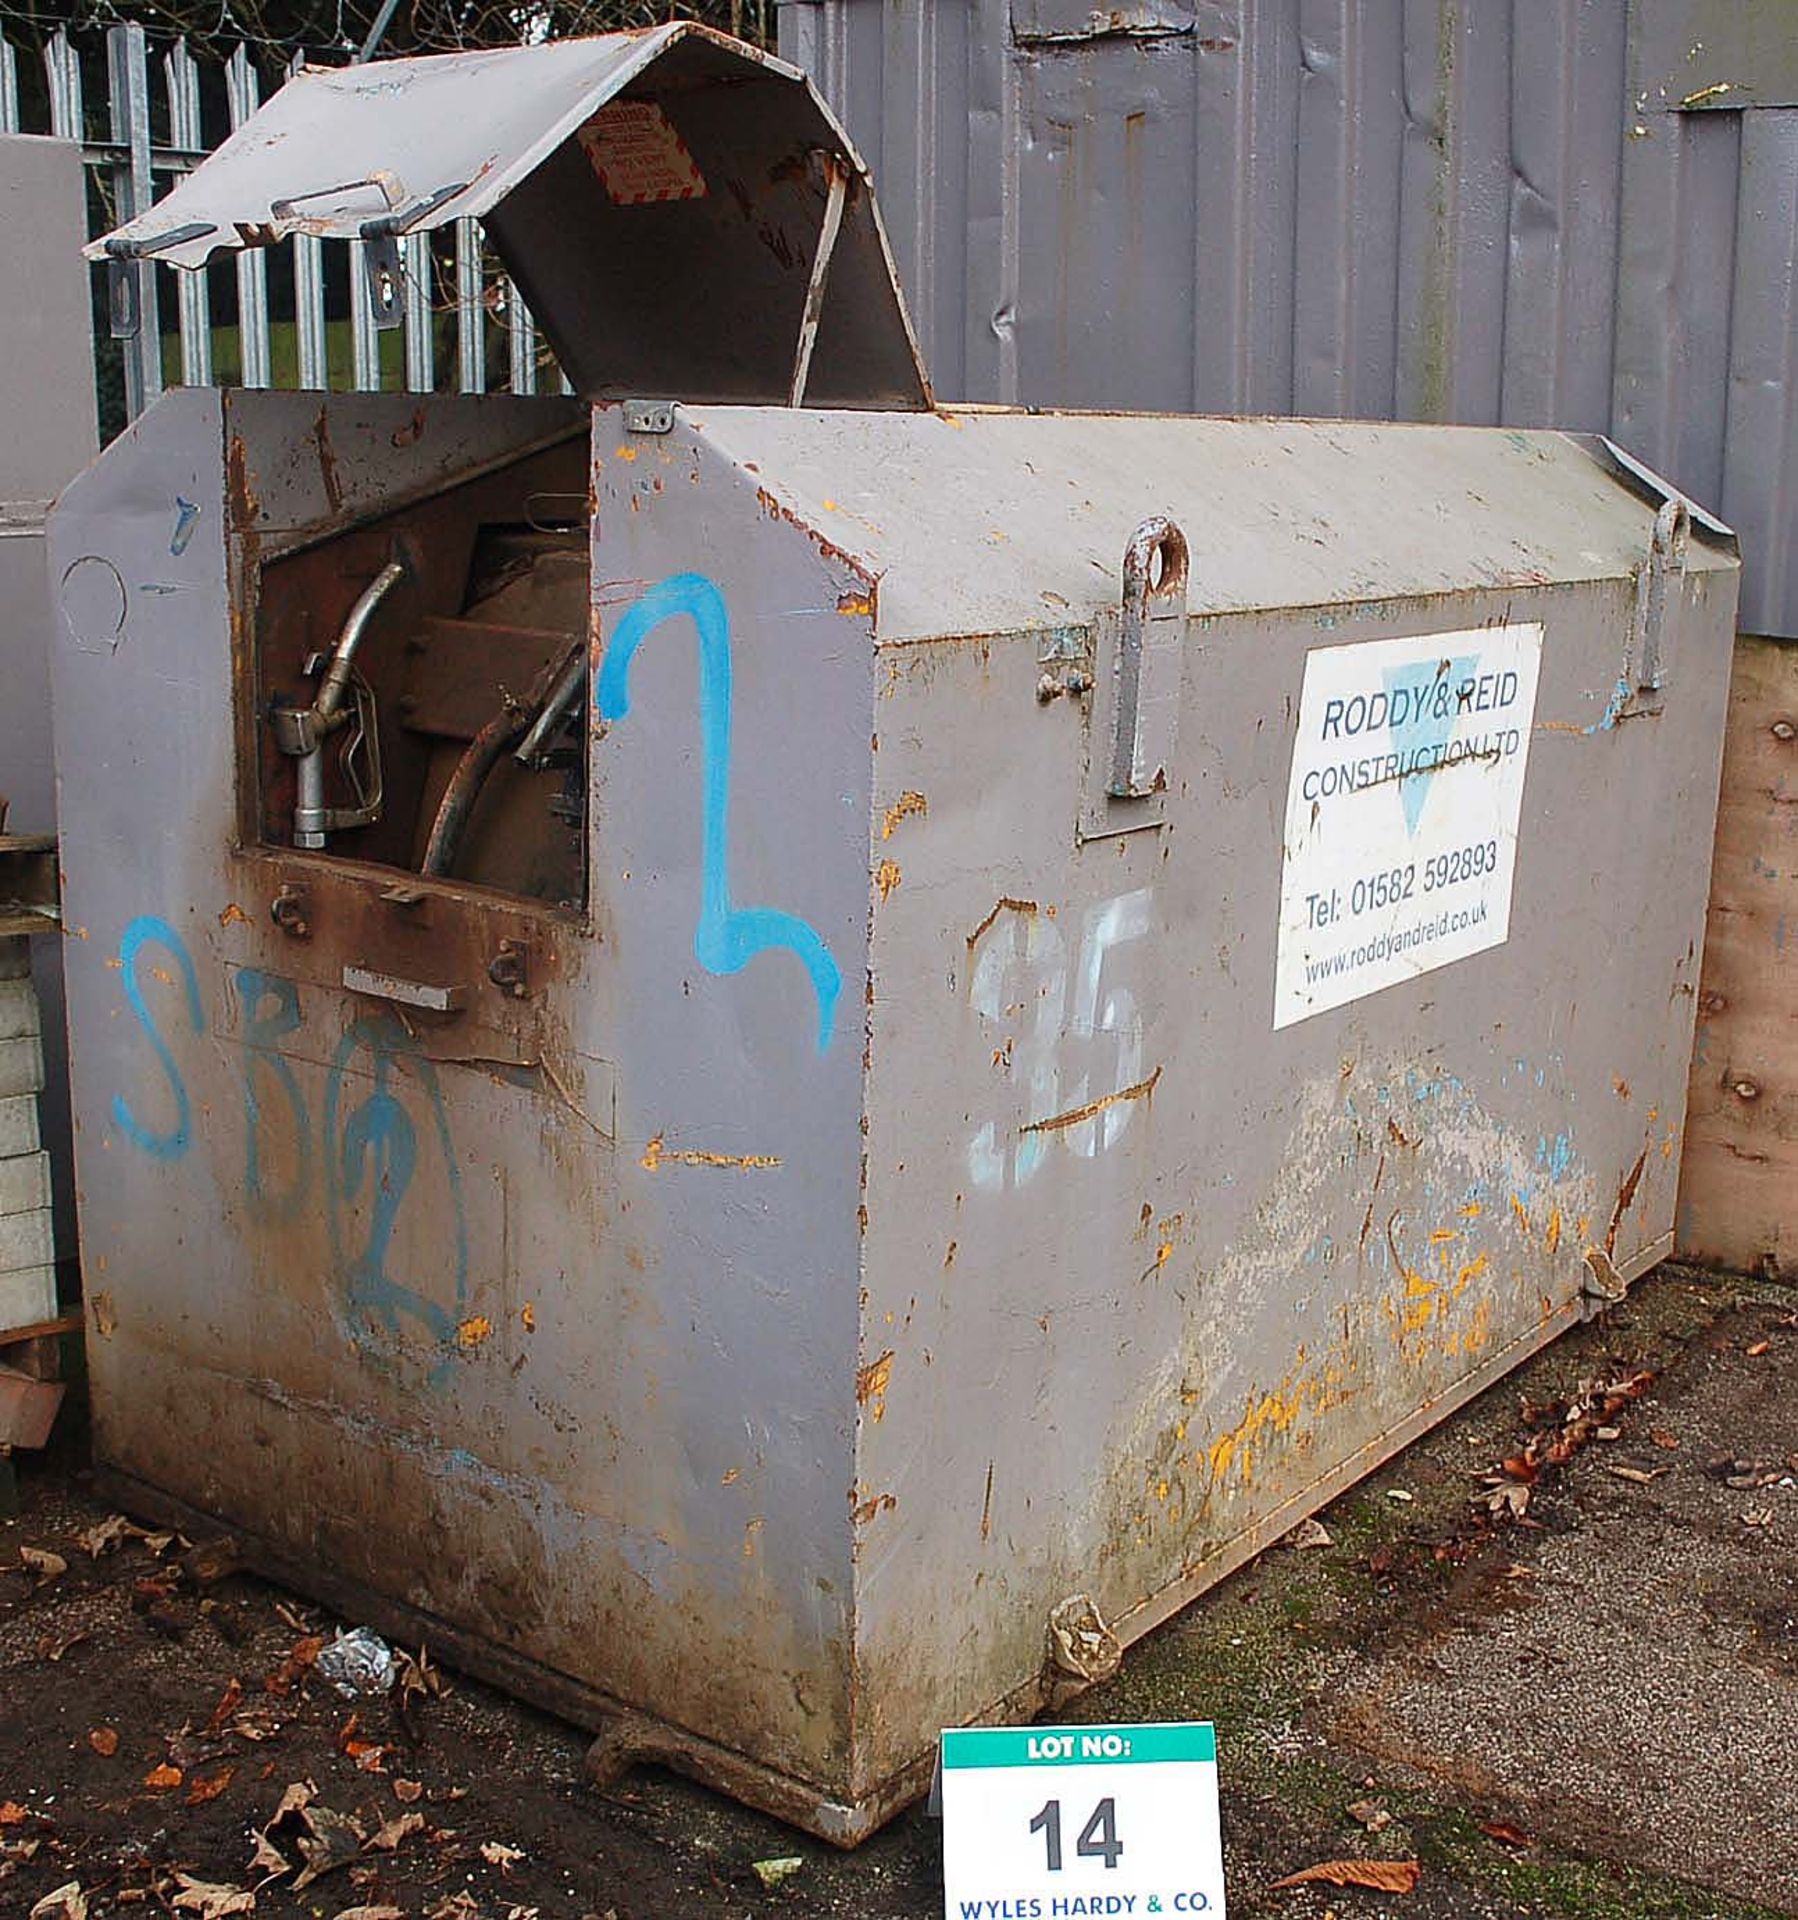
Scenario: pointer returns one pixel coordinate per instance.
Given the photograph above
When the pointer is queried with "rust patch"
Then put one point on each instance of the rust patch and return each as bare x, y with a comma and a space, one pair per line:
1620, 1088
872, 1509
327, 461
412, 432
233, 916
886, 877
854, 604
1006, 905
527, 1317
245, 507
101, 1316
986, 1506
1074, 1116
1626, 1196
656, 1156
908, 804
871, 1384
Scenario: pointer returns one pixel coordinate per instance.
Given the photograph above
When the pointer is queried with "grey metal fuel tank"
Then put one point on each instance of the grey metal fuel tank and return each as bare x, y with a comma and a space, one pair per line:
913, 1030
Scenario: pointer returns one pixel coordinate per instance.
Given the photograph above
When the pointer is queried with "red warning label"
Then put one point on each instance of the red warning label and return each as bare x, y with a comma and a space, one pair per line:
638, 155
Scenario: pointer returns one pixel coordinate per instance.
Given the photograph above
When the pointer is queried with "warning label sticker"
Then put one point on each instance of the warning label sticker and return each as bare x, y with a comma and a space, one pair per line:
638, 155
1402, 812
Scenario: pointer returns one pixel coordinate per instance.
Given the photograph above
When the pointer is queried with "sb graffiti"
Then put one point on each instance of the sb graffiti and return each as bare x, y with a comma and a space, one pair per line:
383, 1126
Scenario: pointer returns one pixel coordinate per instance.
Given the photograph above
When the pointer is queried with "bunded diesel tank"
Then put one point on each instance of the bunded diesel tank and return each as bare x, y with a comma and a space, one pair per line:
779, 1062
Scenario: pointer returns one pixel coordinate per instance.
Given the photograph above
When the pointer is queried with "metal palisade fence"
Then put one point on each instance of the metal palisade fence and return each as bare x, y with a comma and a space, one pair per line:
297, 315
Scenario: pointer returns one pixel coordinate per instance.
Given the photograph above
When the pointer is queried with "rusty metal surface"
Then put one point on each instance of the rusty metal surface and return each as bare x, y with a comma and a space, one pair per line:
658, 197
630, 1324
1534, 214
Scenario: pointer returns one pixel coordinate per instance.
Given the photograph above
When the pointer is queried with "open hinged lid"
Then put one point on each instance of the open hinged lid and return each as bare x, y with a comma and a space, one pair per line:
682, 213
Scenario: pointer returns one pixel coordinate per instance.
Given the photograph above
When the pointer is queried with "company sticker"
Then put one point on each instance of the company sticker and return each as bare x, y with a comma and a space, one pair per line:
1402, 812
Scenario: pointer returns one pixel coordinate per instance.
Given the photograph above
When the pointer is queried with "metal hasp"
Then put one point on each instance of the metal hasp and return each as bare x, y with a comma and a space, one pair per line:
877, 916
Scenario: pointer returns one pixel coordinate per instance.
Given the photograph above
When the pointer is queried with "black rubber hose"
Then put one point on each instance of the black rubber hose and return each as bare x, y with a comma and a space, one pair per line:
483, 754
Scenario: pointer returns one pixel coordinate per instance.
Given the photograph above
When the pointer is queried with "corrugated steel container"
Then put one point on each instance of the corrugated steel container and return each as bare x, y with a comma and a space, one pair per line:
1051, 990
1569, 213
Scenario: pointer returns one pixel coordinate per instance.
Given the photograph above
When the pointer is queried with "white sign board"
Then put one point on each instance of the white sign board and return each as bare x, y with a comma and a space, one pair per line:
1401, 816
1045, 1823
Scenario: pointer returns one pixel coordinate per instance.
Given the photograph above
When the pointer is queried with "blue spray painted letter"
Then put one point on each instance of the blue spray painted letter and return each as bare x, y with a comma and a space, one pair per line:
727, 938
172, 1142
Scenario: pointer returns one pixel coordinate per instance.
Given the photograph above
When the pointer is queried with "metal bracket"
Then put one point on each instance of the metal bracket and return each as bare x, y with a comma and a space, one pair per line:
836, 176
124, 273
1664, 566
1154, 609
649, 416
381, 254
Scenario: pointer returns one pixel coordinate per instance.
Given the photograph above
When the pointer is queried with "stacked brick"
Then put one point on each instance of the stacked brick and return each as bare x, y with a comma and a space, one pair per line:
27, 1253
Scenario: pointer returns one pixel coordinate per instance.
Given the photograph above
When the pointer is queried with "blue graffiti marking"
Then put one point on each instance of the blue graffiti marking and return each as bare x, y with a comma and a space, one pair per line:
373, 1151
186, 513
271, 1010
727, 938
145, 930
1421, 725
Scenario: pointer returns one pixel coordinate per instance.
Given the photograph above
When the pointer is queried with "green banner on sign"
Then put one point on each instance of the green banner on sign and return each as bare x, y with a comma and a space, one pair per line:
1079, 1746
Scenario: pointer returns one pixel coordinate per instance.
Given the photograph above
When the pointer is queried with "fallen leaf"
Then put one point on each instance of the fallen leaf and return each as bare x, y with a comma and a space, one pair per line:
406, 1791
12, 1814
772, 1873
1758, 1517
500, 1856
1760, 1346
389, 1835
203, 1790
1382, 1876
164, 1777
1502, 1831
296, 1797
104, 1741
461, 1905
1667, 1442
299, 1624
370, 1913
66, 1903
1369, 1814
211, 1899
1309, 1534
103, 1535
1636, 1475
1607, 1433
227, 1705
52, 1646
45, 1564
268, 1859
1399, 1495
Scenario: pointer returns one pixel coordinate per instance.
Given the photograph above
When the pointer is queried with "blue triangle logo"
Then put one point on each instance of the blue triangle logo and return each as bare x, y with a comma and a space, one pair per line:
1422, 726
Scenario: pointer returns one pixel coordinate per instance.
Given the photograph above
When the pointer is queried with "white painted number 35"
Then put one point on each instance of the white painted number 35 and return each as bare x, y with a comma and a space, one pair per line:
1065, 1035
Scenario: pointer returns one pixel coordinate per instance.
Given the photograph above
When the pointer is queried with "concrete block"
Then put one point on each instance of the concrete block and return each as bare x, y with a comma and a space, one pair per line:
18, 1008
24, 1183
18, 1125
21, 1065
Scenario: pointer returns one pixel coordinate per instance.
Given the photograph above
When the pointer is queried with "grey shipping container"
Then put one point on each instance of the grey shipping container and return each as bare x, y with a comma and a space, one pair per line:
781, 1070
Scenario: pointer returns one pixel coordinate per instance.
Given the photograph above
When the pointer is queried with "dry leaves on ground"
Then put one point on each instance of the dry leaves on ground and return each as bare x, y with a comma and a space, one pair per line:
1382, 1876
211, 1899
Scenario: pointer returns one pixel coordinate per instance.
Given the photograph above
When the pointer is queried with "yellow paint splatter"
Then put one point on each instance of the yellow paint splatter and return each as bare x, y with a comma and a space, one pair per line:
474, 1330
749, 1532
908, 804
656, 1156
1553, 1236
732, 1477
886, 878
233, 915
871, 1385
527, 1315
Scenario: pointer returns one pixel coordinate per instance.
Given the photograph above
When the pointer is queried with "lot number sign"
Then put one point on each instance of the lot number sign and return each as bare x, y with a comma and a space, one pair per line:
1040, 1823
